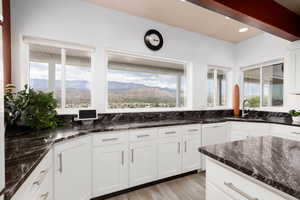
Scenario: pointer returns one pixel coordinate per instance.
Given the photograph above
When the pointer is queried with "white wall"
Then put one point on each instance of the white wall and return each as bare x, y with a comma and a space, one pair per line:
259, 49
85, 23
264, 48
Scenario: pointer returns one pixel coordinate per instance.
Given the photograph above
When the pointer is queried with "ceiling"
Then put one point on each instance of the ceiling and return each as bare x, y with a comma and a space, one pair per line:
293, 5
184, 15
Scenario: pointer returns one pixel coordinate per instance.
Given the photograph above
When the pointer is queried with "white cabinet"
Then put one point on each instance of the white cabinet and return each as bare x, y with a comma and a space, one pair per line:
286, 132
214, 193
110, 169
110, 162
214, 134
39, 185
293, 68
73, 169
231, 183
143, 162
191, 156
244, 130
178, 150
169, 156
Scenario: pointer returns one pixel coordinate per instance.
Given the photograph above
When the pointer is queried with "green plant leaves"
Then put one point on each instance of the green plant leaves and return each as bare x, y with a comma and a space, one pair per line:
294, 113
35, 109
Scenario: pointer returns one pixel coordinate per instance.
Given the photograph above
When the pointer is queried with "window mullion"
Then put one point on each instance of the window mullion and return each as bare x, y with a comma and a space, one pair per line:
178, 87
215, 87
261, 87
63, 79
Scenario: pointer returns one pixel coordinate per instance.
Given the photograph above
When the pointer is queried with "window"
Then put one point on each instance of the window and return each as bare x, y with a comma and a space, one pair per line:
263, 86
65, 72
143, 83
217, 87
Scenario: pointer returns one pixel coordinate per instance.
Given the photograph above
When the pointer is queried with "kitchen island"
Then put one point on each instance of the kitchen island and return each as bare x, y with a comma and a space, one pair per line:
253, 169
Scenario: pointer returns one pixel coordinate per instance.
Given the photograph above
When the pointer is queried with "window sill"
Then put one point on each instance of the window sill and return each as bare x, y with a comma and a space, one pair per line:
73, 111
138, 110
218, 108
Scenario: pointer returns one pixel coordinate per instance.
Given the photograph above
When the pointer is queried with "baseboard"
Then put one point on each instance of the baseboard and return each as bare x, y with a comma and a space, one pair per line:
144, 185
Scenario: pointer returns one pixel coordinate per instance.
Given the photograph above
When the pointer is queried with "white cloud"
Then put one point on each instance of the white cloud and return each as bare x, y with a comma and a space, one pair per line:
152, 80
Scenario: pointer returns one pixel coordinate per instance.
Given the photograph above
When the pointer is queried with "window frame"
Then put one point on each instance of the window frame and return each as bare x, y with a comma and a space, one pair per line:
63, 46
227, 72
260, 66
128, 54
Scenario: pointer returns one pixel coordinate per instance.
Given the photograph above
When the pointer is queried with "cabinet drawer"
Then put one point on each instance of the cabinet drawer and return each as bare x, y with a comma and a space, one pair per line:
287, 132
171, 131
45, 191
233, 184
214, 193
37, 179
143, 134
250, 126
115, 137
192, 129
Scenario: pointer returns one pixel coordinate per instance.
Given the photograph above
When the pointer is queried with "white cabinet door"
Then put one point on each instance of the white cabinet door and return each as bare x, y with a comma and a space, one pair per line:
143, 163
214, 134
294, 70
110, 169
73, 170
169, 156
191, 159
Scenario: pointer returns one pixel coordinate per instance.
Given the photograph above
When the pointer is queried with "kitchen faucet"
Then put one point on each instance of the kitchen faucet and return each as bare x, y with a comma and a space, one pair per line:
243, 108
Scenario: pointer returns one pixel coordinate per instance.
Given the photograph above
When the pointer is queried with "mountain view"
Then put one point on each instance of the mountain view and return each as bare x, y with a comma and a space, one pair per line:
132, 95
120, 94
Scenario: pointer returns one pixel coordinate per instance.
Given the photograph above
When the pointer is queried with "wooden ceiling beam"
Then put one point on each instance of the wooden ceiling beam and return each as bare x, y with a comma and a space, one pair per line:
266, 15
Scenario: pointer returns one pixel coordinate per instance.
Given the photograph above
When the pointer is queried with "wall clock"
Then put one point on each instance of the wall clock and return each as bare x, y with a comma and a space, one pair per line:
153, 40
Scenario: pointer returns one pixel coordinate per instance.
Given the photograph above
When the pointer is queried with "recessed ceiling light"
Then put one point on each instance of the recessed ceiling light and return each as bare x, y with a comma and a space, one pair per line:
183, 0
227, 17
241, 30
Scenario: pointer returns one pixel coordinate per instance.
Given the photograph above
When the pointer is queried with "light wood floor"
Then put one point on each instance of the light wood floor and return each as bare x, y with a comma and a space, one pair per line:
186, 188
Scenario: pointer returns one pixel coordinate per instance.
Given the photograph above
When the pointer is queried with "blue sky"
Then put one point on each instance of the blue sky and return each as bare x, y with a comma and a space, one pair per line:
148, 79
40, 71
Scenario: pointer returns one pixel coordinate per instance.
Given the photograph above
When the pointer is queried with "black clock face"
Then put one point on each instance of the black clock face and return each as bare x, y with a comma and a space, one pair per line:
153, 40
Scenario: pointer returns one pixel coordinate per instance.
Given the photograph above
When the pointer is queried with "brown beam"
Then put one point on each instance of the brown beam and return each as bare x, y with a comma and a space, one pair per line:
266, 15
6, 31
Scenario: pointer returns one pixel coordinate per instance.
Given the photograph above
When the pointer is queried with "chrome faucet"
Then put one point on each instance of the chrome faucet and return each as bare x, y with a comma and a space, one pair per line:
243, 108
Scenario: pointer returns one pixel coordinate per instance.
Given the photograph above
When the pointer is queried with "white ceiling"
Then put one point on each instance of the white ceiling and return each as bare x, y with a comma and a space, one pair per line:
183, 15
293, 5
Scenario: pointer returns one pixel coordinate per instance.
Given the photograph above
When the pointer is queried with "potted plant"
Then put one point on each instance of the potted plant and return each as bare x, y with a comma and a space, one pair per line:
30, 108
295, 115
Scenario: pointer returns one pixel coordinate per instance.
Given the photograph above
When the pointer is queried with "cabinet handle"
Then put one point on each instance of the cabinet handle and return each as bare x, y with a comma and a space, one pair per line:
40, 178
132, 152
178, 150
109, 139
296, 133
142, 136
193, 130
185, 146
170, 132
216, 126
60, 169
44, 196
122, 157
237, 190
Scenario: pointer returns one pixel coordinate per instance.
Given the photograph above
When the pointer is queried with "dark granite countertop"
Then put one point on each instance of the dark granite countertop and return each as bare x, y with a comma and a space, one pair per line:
271, 160
25, 150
